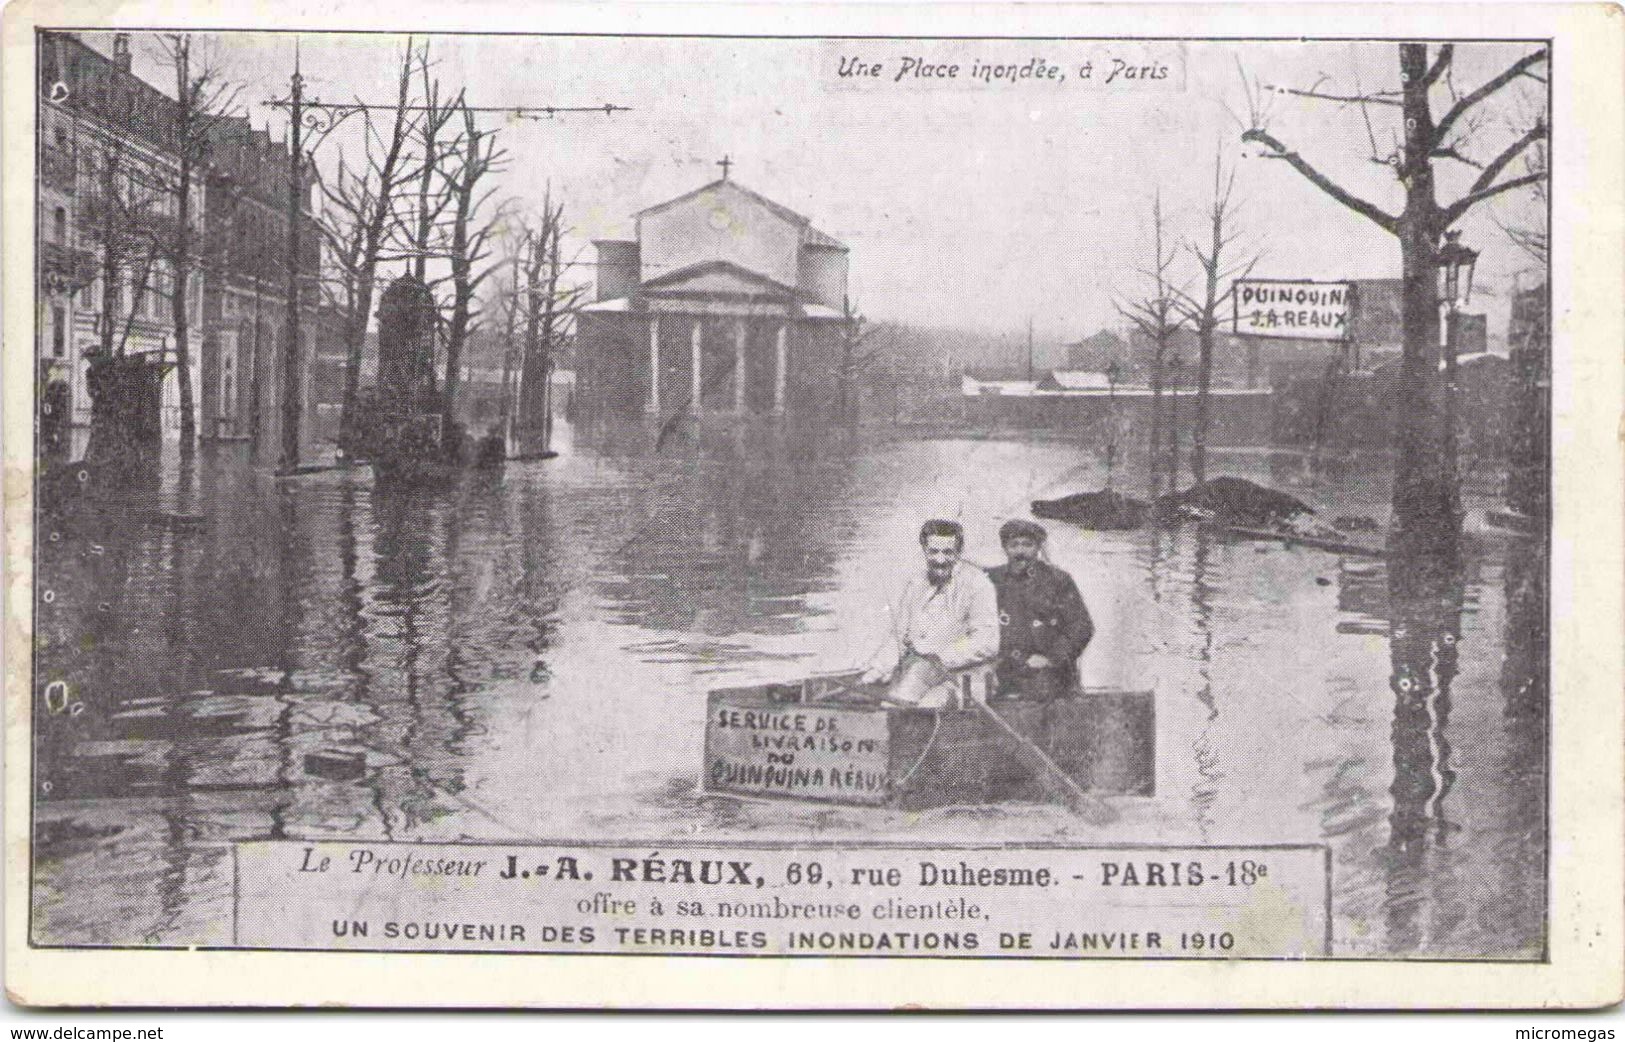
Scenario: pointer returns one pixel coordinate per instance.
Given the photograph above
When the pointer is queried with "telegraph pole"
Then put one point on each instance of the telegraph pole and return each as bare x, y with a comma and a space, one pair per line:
291, 390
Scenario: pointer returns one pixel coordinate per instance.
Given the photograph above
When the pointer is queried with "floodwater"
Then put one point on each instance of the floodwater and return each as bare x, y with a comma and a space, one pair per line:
528, 656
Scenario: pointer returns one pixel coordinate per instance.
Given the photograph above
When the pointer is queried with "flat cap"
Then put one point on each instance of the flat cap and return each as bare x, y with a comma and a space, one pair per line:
1020, 527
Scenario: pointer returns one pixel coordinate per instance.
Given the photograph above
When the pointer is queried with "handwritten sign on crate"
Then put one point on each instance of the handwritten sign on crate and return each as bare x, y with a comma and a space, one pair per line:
803, 751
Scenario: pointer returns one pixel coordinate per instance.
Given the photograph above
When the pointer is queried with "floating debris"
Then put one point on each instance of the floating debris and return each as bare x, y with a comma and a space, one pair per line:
1105, 510
1233, 501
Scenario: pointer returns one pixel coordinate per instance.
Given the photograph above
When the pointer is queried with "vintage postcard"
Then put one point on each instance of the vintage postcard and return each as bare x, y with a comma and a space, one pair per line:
817, 506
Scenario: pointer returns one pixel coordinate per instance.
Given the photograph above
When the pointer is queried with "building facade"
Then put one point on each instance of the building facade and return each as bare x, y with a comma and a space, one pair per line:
725, 303
246, 294
107, 195
106, 188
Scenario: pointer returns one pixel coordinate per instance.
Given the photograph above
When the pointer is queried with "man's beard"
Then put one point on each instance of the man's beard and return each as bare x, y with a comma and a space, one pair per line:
938, 573
1021, 565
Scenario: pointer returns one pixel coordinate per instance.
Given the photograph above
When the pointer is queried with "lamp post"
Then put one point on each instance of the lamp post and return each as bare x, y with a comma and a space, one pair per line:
1456, 263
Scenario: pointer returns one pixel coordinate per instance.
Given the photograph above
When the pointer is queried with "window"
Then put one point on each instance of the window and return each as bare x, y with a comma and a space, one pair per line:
59, 331
159, 293
59, 225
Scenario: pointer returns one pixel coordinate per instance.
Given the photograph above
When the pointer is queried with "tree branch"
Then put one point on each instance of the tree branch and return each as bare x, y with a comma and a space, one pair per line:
1383, 220
1468, 201
1451, 153
1460, 108
1440, 64
1493, 169
1347, 99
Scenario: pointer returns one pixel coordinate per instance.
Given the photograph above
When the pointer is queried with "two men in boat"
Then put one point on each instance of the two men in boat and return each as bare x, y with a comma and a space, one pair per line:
1026, 616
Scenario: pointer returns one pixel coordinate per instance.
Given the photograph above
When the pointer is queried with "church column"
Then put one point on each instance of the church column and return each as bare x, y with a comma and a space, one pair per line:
696, 386
781, 367
741, 370
653, 404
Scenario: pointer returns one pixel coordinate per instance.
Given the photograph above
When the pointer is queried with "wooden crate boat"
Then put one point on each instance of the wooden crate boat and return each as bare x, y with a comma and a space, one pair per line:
794, 741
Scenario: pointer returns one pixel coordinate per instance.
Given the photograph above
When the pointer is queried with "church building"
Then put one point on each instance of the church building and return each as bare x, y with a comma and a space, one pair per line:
725, 303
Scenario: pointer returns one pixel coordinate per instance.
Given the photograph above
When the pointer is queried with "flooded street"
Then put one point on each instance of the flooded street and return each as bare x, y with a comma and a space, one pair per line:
526, 656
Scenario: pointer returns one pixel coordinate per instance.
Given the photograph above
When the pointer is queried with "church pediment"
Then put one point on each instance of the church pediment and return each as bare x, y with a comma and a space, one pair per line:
717, 278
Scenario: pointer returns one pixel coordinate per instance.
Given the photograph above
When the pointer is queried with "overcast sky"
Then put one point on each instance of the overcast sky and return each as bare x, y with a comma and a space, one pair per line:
974, 206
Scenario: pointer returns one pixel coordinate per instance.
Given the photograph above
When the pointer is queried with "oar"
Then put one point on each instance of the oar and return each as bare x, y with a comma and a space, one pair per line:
1091, 808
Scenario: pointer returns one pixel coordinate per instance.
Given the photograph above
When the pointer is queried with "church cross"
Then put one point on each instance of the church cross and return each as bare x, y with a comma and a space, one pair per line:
725, 163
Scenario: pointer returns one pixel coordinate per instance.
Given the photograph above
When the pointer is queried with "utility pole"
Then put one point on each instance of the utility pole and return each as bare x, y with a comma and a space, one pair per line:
291, 389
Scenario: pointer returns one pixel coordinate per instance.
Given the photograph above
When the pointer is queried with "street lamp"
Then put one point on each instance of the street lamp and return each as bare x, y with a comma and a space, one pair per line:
1455, 270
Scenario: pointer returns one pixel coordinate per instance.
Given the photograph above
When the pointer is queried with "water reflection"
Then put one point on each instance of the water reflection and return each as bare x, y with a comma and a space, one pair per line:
1205, 791
526, 655
1521, 852
1425, 593
733, 534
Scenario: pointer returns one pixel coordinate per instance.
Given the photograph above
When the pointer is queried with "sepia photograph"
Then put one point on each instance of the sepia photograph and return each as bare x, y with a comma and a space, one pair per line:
979, 497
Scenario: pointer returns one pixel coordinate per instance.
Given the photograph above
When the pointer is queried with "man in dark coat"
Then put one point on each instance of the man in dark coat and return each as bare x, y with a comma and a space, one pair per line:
1043, 624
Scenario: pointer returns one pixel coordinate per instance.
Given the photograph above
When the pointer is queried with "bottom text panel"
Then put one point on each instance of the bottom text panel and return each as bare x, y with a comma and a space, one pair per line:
1032, 902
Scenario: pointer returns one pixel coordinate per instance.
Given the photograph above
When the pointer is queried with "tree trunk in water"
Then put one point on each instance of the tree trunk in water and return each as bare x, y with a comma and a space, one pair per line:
457, 332
355, 342
504, 399
1204, 380
104, 441
183, 363
181, 262
1156, 419
1173, 435
844, 404
1426, 518
532, 363
533, 374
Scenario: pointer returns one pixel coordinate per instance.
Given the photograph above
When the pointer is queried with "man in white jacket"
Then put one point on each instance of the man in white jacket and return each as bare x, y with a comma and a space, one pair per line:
941, 618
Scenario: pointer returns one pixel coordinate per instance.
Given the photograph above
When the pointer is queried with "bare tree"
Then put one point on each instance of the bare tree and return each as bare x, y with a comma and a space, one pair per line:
1158, 317
510, 303
1529, 232
855, 332
862, 345
547, 309
476, 155
203, 101
1424, 492
1206, 313
122, 203
358, 215
432, 199
116, 214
